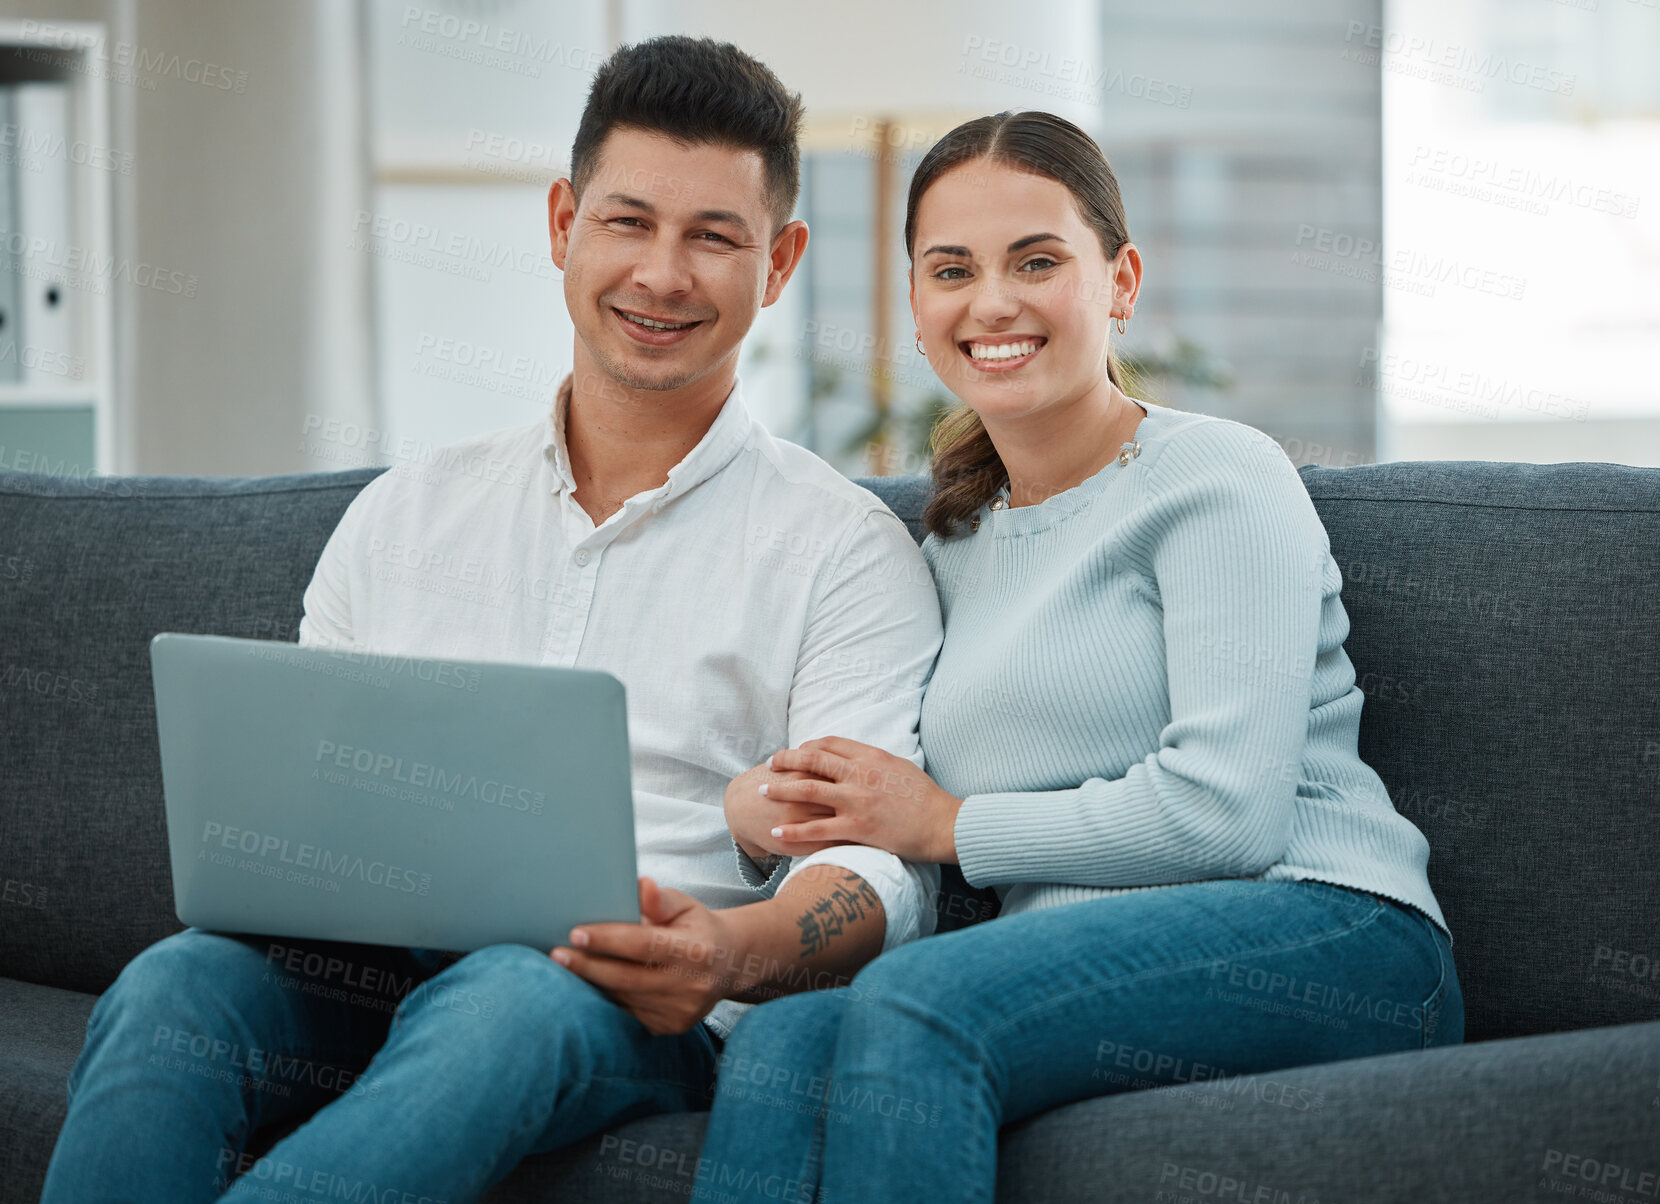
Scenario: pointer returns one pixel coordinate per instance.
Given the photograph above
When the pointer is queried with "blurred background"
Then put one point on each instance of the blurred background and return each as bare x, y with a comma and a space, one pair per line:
252, 238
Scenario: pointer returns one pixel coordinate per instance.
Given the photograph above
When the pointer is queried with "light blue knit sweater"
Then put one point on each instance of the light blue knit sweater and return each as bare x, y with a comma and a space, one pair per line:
1143, 683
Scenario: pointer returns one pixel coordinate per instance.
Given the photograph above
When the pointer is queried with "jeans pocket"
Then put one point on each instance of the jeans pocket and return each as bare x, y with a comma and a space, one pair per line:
1443, 1008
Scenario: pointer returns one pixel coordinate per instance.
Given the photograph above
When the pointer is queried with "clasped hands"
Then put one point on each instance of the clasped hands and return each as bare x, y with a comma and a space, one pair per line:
834, 791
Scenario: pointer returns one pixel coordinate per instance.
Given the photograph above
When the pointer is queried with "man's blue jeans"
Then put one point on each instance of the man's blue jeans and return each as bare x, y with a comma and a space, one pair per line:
894, 1087
430, 1086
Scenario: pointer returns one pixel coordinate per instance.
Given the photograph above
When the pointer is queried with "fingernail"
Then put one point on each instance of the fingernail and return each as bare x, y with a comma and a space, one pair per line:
769, 762
579, 938
779, 832
562, 956
763, 787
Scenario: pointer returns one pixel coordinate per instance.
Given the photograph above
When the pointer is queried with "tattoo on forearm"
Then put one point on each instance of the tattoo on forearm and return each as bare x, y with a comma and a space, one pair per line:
851, 900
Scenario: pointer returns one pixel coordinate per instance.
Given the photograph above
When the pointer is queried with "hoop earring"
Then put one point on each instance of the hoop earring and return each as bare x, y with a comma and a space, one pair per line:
1120, 325
920, 349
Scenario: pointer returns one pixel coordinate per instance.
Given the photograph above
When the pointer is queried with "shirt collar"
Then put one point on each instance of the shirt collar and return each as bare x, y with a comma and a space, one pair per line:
720, 443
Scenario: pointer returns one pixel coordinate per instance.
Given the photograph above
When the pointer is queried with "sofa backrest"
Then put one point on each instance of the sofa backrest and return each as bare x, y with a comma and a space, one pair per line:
89, 571
1505, 629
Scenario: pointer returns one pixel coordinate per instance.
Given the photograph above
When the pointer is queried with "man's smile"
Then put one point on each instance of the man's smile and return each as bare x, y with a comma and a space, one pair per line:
651, 330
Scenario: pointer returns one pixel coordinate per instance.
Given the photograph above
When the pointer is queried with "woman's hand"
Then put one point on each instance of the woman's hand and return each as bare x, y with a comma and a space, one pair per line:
752, 815
874, 798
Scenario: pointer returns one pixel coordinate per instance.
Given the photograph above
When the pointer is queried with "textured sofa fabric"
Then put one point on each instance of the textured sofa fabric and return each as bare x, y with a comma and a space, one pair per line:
1505, 628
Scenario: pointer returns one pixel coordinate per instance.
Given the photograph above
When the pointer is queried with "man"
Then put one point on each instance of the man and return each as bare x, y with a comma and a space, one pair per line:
748, 596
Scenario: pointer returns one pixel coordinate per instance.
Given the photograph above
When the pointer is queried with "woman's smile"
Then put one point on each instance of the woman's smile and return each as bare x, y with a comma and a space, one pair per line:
1004, 353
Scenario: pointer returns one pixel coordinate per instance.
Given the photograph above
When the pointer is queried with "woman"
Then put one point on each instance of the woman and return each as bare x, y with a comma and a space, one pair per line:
1141, 731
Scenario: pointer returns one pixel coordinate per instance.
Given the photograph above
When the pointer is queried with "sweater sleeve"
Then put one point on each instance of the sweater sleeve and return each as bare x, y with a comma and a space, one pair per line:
1233, 549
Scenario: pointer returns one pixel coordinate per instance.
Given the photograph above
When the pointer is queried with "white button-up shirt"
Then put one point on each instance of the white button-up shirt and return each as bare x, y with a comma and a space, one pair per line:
756, 599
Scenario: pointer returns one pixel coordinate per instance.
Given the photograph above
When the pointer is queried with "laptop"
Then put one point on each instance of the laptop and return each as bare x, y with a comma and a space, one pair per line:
391, 800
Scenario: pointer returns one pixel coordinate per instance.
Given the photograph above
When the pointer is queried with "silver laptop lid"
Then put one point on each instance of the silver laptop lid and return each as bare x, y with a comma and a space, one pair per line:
390, 799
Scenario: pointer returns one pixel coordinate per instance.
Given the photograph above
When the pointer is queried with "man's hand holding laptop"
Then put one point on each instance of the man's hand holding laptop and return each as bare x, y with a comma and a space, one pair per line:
683, 958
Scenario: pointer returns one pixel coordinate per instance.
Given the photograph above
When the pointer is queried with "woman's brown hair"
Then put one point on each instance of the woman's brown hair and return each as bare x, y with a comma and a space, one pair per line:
967, 470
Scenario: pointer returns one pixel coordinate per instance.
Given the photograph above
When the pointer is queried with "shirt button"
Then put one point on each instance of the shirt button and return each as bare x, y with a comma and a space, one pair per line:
581, 557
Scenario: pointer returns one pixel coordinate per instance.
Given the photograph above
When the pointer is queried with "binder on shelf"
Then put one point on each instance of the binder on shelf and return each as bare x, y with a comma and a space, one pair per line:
46, 220
11, 276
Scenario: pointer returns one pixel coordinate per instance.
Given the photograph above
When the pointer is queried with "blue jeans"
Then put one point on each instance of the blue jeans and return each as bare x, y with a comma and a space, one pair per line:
434, 1085
894, 1087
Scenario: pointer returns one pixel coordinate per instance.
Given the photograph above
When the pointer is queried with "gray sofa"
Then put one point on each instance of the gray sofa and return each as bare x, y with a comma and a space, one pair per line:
1505, 628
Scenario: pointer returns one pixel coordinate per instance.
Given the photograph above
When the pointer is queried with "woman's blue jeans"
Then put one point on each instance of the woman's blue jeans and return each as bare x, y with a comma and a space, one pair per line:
894, 1087
427, 1087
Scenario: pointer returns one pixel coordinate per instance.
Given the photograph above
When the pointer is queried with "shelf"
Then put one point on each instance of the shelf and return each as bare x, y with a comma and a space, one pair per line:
67, 404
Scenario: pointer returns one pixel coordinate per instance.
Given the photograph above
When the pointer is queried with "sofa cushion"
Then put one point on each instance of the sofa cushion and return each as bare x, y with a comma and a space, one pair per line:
1503, 1122
1506, 1121
41, 1033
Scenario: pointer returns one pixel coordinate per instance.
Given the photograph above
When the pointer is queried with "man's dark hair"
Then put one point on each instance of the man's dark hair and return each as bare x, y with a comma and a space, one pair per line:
696, 91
